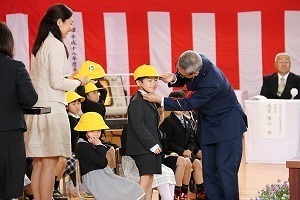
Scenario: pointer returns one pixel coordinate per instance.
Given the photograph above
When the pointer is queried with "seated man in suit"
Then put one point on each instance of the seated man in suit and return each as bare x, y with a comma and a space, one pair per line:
279, 84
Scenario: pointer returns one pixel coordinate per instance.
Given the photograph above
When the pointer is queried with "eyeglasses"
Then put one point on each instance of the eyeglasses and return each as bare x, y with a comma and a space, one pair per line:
184, 75
285, 62
181, 74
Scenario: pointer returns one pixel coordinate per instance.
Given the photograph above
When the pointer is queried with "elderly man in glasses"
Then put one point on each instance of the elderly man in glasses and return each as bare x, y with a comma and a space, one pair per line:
279, 84
222, 120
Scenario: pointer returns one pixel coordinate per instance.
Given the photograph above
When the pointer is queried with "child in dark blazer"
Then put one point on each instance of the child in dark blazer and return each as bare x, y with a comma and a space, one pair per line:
74, 108
92, 103
180, 139
143, 143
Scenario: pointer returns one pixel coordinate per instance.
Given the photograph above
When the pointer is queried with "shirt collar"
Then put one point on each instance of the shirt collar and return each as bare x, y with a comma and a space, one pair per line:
73, 115
285, 77
180, 118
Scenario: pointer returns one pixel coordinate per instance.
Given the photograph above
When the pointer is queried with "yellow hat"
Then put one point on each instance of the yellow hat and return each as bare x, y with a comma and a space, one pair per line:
145, 71
72, 96
91, 121
90, 87
91, 69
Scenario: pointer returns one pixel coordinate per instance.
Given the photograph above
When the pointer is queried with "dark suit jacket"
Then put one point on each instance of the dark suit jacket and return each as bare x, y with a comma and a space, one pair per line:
17, 93
178, 138
74, 134
270, 86
219, 112
142, 126
90, 106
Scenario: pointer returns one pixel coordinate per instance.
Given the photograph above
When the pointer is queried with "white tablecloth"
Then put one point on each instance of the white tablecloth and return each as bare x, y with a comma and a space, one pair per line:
273, 135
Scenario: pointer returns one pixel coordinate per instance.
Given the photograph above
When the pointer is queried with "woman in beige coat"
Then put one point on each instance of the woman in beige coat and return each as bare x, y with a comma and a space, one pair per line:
48, 136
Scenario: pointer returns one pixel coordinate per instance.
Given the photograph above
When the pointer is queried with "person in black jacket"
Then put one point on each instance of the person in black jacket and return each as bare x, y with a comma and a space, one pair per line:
97, 177
279, 84
18, 93
180, 139
74, 108
92, 103
96, 73
143, 143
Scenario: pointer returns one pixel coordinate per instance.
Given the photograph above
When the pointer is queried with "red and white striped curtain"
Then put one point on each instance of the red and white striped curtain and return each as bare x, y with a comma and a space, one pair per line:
241, 37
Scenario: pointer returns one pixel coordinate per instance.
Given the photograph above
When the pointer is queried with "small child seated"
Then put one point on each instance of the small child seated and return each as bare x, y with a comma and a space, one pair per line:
180, 139
92, 104
97, 177
73, 108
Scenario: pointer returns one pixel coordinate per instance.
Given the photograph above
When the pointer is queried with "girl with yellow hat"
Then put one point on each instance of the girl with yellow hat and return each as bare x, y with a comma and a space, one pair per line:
97, 177
92, 104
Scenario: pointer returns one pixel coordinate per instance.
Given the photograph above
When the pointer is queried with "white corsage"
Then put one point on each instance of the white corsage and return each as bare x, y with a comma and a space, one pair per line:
294, 92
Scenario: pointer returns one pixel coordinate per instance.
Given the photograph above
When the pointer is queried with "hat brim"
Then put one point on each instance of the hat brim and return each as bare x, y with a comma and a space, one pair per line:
81, 99
81, 127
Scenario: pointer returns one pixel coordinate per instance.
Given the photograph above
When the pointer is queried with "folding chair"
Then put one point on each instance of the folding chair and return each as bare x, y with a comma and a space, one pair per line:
118, 160
78, 180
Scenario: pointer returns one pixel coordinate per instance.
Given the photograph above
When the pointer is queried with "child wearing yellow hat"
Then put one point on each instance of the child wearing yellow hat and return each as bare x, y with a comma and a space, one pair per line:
143, 143
92, 104
74, 101
97, 177
95, 73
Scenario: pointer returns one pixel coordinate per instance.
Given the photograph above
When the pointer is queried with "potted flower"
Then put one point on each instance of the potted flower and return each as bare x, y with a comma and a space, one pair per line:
277, 191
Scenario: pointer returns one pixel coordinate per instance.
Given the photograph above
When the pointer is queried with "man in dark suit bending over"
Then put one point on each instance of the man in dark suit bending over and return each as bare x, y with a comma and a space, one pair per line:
279, 84
222, 120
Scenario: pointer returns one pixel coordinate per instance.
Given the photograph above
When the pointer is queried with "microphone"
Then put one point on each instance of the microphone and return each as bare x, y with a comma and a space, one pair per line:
294, 92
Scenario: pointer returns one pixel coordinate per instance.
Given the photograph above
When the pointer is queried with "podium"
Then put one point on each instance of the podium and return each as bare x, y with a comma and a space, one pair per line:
273, 134
294, 178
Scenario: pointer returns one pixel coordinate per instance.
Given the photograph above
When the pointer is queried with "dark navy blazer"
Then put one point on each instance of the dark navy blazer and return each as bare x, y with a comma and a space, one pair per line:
221, 116
142, 126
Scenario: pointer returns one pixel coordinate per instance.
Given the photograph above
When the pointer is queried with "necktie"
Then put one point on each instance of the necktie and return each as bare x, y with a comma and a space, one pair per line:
182, 122
281, 86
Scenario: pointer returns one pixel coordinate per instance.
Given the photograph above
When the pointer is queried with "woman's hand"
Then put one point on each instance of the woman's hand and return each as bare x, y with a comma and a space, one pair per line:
72, 75
84, 80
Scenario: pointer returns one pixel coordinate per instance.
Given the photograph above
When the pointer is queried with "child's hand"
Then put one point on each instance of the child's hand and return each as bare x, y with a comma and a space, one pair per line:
158, 150
173, 154
94, 140
187, 153
199, 154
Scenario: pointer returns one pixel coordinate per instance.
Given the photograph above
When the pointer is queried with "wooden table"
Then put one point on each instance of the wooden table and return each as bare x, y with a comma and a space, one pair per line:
294, 177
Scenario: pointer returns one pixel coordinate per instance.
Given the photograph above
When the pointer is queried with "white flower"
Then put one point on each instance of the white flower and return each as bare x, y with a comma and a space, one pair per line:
294, 92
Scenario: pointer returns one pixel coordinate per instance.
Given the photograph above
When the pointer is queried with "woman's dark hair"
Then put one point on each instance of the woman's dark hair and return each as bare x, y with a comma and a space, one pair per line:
6, 40
49, 23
